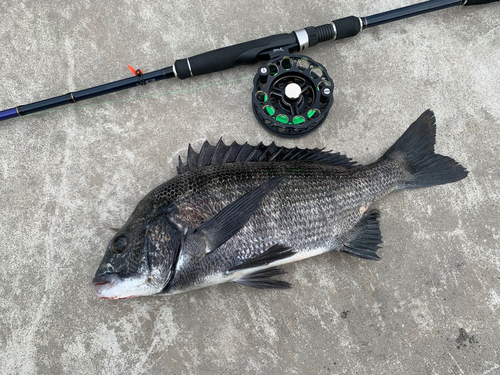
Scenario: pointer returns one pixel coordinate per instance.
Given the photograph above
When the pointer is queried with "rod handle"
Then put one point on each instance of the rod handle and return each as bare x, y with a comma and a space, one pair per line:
478, 2
239, 54
348, 26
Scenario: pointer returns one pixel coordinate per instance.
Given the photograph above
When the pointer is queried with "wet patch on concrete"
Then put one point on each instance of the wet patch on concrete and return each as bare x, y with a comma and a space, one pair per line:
465, 339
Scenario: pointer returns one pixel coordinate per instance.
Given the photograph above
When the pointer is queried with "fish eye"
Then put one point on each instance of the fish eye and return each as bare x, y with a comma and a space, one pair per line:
119, 244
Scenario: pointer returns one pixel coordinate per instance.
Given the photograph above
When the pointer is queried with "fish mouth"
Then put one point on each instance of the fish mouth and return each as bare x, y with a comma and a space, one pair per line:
104, 284
111, 286
103, 279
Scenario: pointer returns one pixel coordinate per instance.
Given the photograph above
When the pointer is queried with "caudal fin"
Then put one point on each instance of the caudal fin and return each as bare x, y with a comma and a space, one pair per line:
414, 151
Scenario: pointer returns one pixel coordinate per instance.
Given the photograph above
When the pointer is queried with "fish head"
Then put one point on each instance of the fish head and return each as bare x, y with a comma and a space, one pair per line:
138, 261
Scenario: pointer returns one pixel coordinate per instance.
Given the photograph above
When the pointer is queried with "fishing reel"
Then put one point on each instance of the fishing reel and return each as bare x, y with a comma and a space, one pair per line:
292, 95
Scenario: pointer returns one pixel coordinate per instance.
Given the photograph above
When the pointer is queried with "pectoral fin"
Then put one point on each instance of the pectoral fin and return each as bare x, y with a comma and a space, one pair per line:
233, 217
273, 254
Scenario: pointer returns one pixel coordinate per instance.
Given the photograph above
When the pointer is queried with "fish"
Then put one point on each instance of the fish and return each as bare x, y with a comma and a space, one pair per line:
236, 213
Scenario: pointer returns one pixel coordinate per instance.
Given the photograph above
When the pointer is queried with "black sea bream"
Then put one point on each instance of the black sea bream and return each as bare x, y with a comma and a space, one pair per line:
236, 213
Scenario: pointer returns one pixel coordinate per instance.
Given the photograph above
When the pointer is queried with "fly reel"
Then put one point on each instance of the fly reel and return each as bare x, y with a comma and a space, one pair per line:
292, 95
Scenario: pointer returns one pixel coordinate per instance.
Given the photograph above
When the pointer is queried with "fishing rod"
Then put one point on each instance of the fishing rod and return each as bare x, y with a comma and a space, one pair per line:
292, 94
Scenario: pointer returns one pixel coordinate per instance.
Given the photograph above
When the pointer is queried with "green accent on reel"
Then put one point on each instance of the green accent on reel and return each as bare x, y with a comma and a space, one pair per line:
313, 113
261, 96
282, 118
298, 120
270, 110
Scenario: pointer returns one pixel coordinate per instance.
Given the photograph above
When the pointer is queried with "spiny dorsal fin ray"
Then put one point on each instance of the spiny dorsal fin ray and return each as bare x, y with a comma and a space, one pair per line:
268, 152
256, 153
236, 153
219, 152
205, 156
231, 153
181, 168
192, 158
245, 150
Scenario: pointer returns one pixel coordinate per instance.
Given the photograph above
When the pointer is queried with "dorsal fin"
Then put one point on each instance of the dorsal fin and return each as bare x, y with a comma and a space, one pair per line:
205, 156
219, 152
236, 153
245, 150
192, 158
231, 153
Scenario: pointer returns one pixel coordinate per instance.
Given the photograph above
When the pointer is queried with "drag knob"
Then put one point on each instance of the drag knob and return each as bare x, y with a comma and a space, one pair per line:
293, 91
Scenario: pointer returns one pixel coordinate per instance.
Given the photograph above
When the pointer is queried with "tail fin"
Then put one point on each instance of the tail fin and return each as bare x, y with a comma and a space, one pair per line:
414, 150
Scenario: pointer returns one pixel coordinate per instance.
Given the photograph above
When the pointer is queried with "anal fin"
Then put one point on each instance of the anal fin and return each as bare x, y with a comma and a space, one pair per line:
364, 240
262, 279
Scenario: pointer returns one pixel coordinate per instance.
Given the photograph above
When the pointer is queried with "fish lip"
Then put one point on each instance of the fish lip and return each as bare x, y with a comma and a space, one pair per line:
103, 283
104, 278
111, 286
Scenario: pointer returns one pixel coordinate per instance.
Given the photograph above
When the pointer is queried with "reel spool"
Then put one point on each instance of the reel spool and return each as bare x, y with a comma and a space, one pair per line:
292, 95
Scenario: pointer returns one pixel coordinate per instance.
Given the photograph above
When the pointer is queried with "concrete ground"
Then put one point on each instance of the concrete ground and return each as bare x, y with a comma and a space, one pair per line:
431, 306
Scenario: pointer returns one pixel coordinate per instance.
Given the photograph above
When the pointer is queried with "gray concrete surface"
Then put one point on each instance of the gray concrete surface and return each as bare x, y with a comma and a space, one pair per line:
431, 306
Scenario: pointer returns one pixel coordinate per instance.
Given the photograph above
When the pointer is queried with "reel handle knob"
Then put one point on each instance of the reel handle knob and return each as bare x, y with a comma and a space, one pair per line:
326, 92
263, 74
